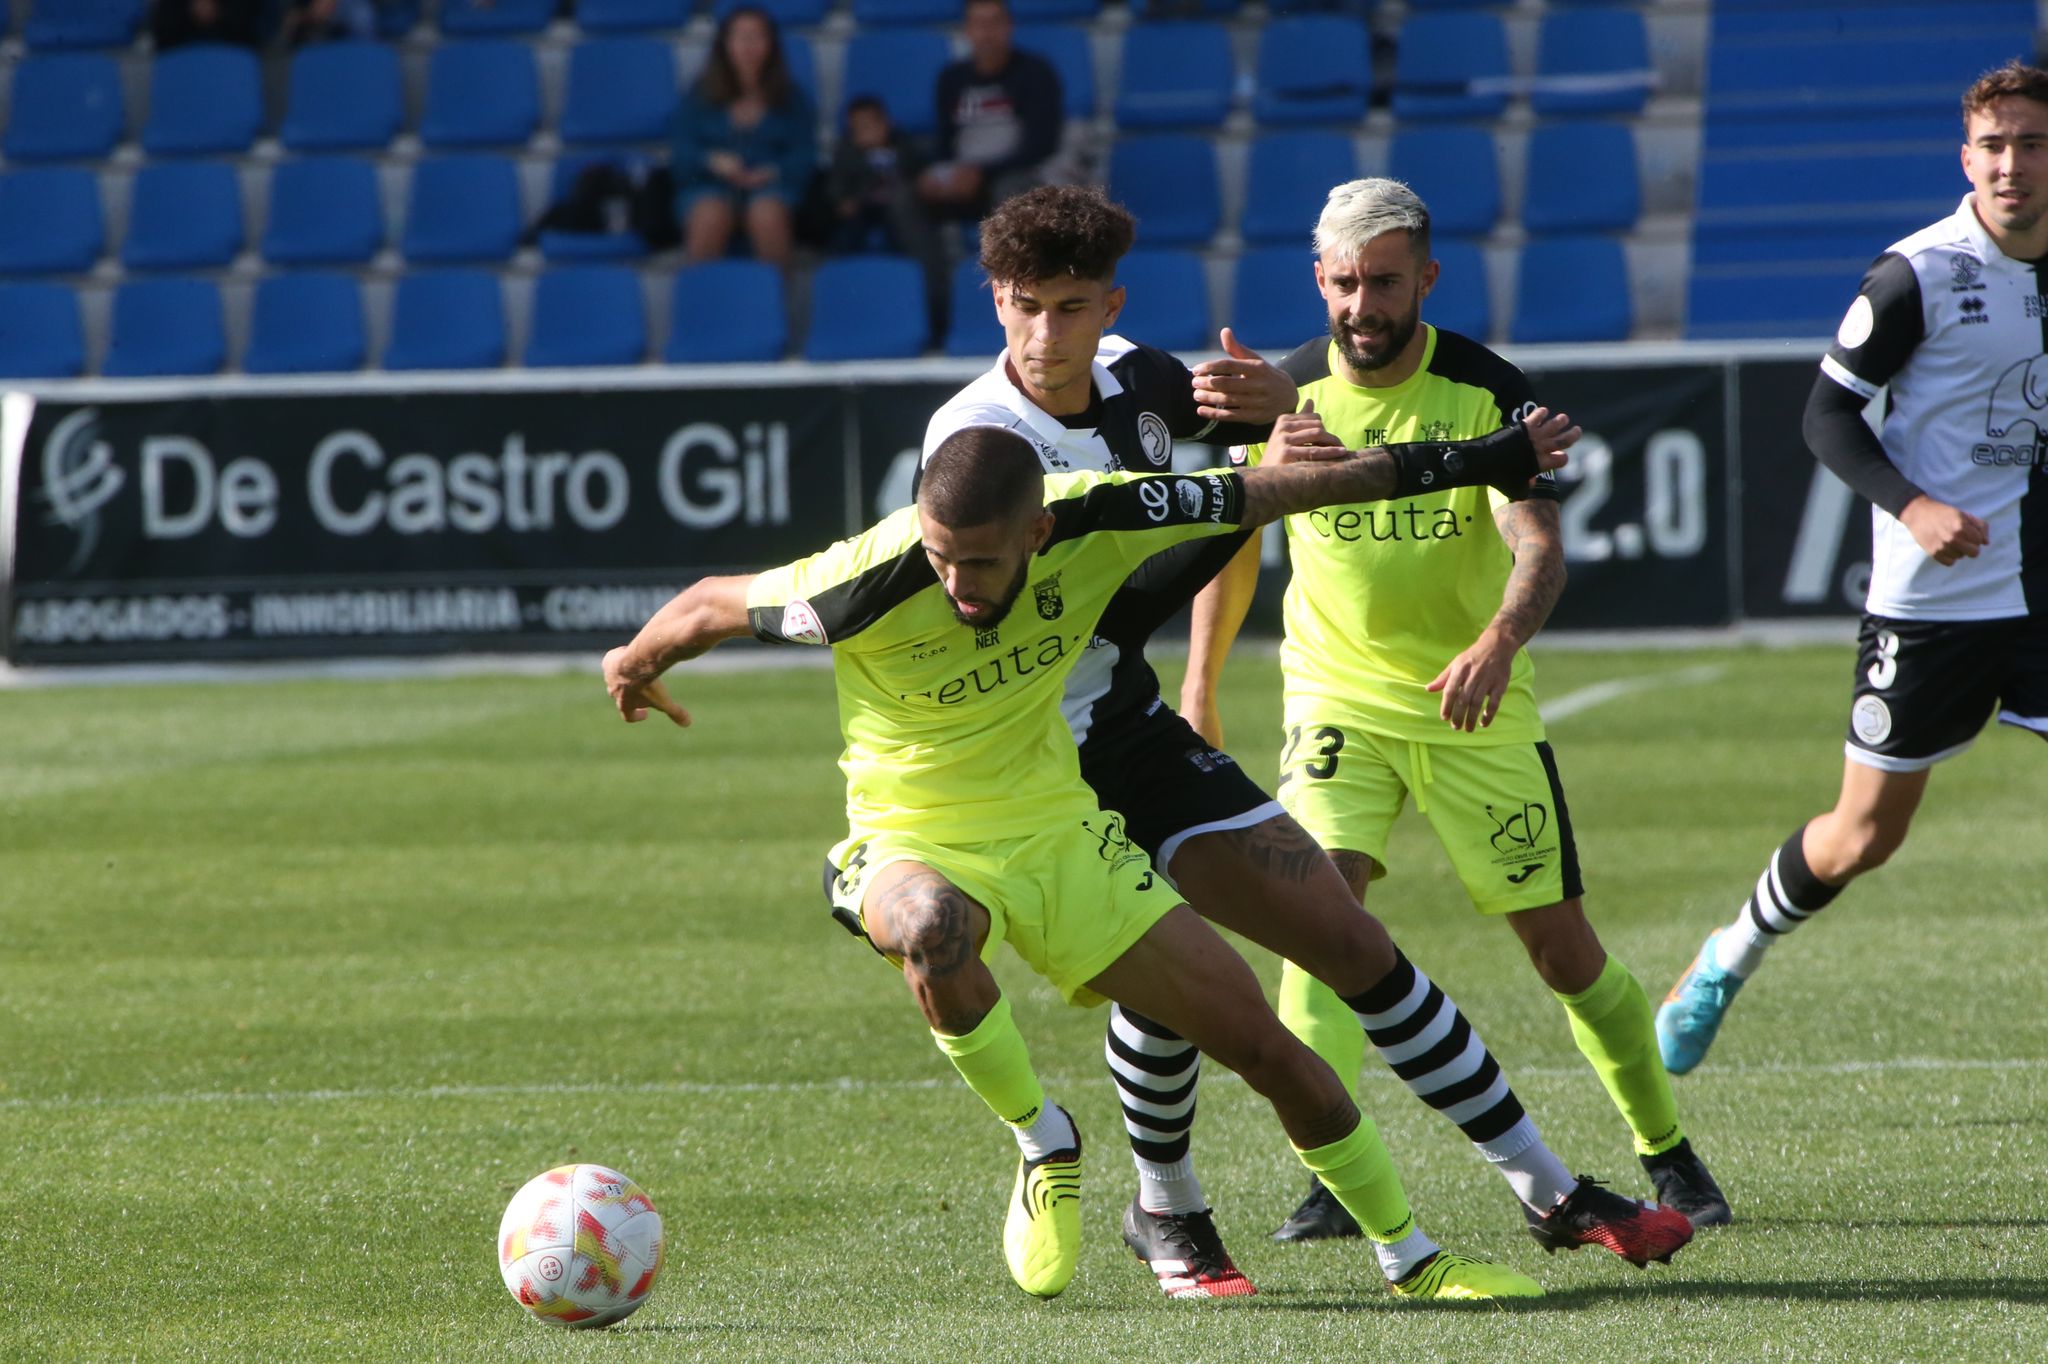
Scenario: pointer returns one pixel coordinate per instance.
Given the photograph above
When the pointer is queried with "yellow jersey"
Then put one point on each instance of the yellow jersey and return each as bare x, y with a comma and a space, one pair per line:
1385, 594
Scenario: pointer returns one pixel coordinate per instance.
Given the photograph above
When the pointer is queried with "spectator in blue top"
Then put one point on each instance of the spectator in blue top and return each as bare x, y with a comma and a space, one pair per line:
745, 144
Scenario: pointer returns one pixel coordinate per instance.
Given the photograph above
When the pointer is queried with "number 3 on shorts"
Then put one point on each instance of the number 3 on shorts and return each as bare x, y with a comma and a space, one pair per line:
1331, 741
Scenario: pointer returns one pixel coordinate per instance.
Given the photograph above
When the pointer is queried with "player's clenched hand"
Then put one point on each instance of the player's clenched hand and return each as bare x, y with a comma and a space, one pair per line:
1552, 433
635, 696
1302, 435
1475, 683
1944, 533
1241, 387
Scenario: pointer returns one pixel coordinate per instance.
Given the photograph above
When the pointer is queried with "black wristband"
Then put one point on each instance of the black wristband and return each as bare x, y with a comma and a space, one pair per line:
1505, 460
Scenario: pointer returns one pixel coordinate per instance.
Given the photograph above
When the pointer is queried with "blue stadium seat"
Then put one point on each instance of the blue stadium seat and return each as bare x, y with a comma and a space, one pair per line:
1166, 300
309, 323
1451, 65
972, 332
867, 12
1582, 178
1456, 170
462, 208
1448, 4
1460, 302
900, 66
183, 215
40, 336
1592, 61
621, 16
83, 23
1867, 69
50, 221
1169, 181
64, 106
1313, 69
620, 90
324, 210
204, 100
803, 65
344, 97
1735, 302
1805, 189
470, 18
867, 308
727, 310
165, 325
1175, 75
1571, 289
397, 18
446, 319
1288, 178
787, 13
1066, 47
1054, 11
1274, 306
587, 315
625, 244
481, 94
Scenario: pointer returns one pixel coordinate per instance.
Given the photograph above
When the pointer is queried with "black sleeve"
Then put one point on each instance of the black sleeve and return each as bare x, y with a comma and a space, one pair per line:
1163, 584
1840, 439
1881, 329
946, 94
1035, 86
1175, 394
1878, 335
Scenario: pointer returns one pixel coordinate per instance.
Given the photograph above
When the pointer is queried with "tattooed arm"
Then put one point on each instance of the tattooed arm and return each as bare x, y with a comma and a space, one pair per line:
1510, 456
1476, 681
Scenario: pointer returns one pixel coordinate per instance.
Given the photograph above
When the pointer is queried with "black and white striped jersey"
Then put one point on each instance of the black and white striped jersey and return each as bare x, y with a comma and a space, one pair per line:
1143, 402
1959, 331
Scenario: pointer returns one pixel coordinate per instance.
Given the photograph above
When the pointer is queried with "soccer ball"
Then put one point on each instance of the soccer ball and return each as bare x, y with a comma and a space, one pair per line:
580, 1246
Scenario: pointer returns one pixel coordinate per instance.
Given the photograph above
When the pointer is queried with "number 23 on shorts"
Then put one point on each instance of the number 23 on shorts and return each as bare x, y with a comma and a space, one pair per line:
1325, 741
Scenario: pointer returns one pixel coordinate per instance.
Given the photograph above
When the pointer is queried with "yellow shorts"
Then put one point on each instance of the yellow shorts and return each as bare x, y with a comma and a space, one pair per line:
1070, 900
1498, 809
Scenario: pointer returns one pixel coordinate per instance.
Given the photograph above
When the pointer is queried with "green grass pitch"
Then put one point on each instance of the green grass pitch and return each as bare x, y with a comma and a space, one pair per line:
299, 980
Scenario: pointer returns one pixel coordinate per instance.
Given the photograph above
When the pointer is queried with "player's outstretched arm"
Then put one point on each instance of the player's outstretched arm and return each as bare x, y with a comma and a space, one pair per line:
695, 619
1509, 457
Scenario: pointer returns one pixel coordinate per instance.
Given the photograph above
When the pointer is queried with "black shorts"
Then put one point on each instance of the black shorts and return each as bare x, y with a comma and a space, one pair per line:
1924, 688
1168, 783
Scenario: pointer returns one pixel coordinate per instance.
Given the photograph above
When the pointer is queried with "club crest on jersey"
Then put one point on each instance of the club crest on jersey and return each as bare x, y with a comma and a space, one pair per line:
1966, 272
1435, 431
1046, 592
800, 623
1155, 439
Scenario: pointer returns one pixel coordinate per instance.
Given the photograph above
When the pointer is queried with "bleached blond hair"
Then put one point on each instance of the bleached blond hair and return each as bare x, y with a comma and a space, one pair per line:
1359, 210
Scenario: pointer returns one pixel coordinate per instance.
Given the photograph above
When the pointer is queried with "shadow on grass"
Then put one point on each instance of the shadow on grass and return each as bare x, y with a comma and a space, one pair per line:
1838, 1223
2029, 1291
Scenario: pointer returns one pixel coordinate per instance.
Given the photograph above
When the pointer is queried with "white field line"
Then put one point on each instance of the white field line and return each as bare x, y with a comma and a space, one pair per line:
1600, 693
850, 1085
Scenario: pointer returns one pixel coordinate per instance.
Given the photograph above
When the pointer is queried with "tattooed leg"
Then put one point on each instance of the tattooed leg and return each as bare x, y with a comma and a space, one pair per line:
1273, 884
924, 922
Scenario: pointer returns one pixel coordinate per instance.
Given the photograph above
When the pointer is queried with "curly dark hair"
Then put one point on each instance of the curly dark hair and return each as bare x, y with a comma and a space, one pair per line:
2014, 78
1053, 230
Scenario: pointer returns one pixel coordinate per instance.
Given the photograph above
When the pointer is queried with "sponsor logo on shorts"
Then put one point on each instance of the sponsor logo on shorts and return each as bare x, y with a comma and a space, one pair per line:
1529, 870
1871, 719
1115, 847
800, 623
1521, 838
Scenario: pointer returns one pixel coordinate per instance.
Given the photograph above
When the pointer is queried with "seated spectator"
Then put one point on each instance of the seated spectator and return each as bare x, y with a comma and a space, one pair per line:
872, 188
999, 119
745, 144
177, 22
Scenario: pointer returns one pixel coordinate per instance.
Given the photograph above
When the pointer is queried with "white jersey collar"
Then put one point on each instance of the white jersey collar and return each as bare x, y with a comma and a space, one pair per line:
1047, 426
